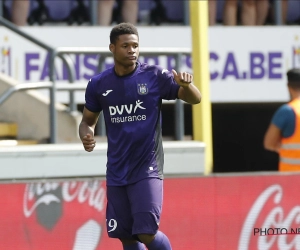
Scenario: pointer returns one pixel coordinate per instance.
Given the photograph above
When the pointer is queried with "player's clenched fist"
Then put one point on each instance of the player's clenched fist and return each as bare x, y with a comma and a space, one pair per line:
88, 142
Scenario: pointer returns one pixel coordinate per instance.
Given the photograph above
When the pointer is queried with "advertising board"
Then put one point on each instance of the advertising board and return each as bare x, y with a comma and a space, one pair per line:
244, 212
247, 64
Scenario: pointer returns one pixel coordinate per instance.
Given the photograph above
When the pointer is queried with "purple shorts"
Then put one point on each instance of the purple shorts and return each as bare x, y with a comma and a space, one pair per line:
134, 209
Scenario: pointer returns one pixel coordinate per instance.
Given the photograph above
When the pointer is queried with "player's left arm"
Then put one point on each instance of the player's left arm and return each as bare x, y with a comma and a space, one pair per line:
272, 139
187, 92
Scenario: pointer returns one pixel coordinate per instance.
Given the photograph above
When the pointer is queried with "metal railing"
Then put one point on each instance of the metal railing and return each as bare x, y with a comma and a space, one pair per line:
40, 85
1, 7
64, 54
51, 52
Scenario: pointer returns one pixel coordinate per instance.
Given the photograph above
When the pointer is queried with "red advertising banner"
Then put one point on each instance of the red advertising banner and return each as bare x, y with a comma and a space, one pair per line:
220, 212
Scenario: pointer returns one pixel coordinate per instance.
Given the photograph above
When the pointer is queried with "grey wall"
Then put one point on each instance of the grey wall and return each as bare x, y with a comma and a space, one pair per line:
70, 160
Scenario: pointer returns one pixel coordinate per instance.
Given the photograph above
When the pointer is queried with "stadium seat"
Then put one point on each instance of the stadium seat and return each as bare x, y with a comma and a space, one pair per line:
53, 11
6, 8
161, 11
220, 7
79, 13
293, 15
145, 7
59, 10
174, 10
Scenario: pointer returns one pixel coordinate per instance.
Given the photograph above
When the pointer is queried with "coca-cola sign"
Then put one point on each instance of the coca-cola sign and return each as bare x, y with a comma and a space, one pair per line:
215, 213
280, 226
225, 212
90, 192
72, 212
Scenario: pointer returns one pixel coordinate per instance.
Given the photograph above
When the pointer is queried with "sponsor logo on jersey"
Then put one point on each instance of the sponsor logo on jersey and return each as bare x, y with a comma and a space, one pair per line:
126, 112
107, 92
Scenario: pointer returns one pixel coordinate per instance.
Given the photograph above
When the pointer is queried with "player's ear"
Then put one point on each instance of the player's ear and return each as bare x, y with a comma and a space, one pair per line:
112, 48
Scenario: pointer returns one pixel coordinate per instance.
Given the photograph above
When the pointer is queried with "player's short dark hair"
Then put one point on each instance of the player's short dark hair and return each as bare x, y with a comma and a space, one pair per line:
122, 29
293, 76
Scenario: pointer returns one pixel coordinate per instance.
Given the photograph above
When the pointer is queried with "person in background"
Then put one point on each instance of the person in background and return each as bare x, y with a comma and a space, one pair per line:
262, 10
130, 95
283, 133
20, 11
212, 12
129, 11
253, 12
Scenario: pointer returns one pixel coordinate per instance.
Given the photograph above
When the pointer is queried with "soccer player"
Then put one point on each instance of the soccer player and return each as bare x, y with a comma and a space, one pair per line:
130, 96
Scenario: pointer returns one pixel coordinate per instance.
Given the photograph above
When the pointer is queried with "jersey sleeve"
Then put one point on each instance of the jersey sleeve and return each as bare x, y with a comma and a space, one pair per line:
91, 101
168, 87
284, 118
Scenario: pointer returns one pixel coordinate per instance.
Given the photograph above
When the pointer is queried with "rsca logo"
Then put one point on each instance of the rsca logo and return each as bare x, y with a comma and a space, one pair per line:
296, 57
5, 59
126, 113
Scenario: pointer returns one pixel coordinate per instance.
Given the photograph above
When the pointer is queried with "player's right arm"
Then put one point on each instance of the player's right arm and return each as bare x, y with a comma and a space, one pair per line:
87, 128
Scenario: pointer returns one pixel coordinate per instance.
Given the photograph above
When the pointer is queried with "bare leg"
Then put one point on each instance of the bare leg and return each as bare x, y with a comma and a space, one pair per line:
230, 12
105, 9
20, 9
248, 15
212, 11
262, 9
284, 8
130, 11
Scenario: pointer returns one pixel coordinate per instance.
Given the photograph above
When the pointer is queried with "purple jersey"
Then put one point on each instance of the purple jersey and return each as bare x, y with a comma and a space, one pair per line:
131, 106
